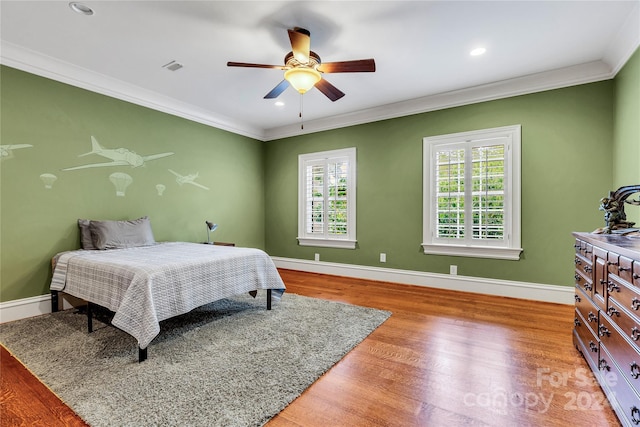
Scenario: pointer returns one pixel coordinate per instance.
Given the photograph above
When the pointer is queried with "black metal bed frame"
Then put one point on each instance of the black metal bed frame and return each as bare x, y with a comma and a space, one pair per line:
142, 352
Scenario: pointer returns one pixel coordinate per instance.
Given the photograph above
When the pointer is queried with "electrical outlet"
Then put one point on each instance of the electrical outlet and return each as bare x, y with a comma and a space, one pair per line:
317, 257
453, 270
383, 257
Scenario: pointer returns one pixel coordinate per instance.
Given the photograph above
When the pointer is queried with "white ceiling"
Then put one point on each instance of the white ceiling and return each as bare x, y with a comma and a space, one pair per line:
421, 50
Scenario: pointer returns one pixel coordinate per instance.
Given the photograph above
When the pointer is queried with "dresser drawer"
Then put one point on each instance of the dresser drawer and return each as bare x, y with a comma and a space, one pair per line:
612, 262
625, 268
587, 309
583, 281
583, 265
628, 324
626, 295
587, 340
626, 354
624, 399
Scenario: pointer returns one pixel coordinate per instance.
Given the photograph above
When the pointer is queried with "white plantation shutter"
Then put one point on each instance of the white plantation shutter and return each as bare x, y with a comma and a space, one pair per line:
472, 193
327, 198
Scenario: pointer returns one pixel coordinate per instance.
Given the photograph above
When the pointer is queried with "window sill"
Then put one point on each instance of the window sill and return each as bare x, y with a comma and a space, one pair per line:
473, 251
327, 243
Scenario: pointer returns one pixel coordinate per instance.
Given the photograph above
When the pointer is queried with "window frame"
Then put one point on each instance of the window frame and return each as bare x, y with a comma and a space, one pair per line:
507, 248
328, 240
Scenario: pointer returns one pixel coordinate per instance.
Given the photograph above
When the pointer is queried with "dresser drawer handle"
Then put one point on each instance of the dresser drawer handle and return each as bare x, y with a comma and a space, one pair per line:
576, 322
613, 287
624, 269
577, 246
635, 415
602, 331
578, 299
577, 261
635, 303
635, 370
612, 311
592, 317
587, 251
577, 277
587, 287
603, 365
636, 276
635, 333
587, 269
611, 263
594, 348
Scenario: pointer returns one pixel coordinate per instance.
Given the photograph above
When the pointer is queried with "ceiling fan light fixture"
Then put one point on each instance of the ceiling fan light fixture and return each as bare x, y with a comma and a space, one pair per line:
302, 78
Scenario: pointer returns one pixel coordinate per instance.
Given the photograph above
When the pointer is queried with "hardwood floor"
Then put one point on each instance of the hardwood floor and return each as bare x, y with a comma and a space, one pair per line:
442, 358
25, 401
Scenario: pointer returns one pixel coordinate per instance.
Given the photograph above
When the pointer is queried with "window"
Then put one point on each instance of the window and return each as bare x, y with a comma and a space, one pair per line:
327, 199
472, 194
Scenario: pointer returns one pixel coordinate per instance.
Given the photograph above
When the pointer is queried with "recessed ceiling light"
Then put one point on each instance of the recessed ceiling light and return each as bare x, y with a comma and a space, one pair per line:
477, 51
279, 104
80, 8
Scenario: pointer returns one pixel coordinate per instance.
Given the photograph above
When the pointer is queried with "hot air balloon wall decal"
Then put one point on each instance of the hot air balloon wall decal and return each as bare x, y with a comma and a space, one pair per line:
120, 181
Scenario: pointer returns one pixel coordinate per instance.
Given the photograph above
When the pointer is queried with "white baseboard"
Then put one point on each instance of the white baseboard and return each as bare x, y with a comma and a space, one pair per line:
32, 306
35, 306
505, 288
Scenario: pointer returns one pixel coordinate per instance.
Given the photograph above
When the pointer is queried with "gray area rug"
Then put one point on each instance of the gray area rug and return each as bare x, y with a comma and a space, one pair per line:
229, 363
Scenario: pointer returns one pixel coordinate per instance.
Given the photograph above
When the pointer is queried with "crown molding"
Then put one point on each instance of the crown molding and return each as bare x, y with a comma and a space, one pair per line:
46, 66
620, 49
625, 43
555, 79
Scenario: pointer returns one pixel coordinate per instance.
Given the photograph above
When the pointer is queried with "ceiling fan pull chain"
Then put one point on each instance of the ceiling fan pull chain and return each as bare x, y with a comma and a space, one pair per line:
301, 119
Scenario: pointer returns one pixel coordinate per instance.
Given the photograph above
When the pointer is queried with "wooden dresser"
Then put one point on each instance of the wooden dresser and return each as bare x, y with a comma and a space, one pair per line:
607, 317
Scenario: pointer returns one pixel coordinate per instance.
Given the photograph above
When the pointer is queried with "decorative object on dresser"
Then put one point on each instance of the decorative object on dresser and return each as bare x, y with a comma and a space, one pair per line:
613, 206
607, 317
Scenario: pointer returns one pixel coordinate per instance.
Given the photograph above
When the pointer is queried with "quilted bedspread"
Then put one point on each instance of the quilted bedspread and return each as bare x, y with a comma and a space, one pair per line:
145, 285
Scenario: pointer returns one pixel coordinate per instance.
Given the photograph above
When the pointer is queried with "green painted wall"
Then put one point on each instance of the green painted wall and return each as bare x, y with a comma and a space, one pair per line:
578, 143
566, 168
58, 121
626, 130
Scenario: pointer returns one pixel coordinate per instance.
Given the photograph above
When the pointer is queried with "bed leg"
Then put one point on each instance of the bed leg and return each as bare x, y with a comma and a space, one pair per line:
54, 301
268, 299
89, 318
142, 354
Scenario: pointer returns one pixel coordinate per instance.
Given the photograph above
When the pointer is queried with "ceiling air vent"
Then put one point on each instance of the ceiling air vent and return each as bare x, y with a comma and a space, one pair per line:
173, 66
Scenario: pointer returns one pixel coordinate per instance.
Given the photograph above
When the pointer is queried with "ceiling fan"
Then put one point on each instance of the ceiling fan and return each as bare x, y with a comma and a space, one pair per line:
303, 68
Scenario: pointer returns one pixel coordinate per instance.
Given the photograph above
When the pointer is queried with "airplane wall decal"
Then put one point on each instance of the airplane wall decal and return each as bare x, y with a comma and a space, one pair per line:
187, 179
118, 156
6, 151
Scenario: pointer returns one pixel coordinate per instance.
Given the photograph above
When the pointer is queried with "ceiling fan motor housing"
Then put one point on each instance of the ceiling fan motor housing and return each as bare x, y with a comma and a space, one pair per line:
291, 61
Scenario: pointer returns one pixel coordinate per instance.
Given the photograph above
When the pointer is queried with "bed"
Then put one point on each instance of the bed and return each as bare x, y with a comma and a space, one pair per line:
143, 284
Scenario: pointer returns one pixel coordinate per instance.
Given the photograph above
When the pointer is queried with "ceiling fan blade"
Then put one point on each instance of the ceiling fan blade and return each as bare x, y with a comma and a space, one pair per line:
276, 91
330, 91
300, 44
244, 64
357, 66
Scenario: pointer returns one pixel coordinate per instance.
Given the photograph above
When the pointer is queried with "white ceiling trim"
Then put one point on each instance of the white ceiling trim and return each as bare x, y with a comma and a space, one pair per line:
618, 53
45, 66
625, 43
565, 77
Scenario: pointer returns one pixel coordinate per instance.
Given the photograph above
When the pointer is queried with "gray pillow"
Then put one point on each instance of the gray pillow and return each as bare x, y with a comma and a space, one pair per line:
121, 234
86, 241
